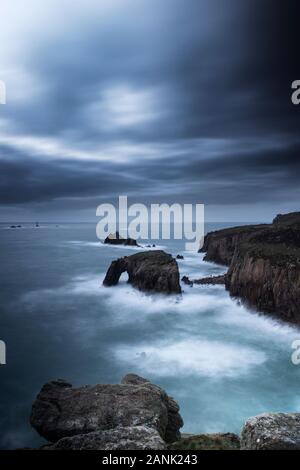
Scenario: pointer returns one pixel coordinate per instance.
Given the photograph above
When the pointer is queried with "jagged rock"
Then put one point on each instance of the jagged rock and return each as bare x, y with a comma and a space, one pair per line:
149, 271
272, 431
213, 280
226, 441
186, 280
116, 239
61, 411
120, 438
264, 264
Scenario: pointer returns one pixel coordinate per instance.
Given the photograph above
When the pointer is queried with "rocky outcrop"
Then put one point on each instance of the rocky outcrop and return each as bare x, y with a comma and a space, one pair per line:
138, 415
116, 239
149, 271
264, 264
272, 431
213, 280
133, 414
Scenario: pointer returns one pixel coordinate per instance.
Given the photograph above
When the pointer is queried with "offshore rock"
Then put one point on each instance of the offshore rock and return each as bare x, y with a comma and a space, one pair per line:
149, 271
116, 239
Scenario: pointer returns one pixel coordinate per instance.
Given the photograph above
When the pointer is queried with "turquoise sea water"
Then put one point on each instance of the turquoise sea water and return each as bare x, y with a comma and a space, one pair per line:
220, 361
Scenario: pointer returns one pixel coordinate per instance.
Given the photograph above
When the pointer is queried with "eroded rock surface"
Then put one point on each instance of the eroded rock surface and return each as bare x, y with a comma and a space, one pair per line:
61, 411
210, 280
120, 438
149, 271
264, 264
272, 431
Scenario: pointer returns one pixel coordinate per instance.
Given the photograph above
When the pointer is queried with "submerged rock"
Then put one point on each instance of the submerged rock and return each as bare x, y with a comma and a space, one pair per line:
272, 431
179, 257
61, 411
116, 239
149, 271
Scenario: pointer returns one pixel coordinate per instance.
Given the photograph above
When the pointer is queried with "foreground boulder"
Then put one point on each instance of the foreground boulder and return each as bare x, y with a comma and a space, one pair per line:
116, 239
131, 414
272, 431
149, 271
120, 438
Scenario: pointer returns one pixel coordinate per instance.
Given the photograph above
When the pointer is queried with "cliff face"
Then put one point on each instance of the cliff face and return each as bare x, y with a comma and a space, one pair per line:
270, 287
220, 245
264, 264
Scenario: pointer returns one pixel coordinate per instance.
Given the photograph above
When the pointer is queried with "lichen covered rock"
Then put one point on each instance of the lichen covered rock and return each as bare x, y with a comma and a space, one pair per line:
61, 411
272, 431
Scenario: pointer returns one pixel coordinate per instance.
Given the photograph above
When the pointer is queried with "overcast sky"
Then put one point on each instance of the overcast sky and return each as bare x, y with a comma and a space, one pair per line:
160, 100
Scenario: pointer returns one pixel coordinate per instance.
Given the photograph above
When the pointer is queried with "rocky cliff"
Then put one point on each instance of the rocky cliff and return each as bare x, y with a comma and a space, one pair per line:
219, 246
264, 264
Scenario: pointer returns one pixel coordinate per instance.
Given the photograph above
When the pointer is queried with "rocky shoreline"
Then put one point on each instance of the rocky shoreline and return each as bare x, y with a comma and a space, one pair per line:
264, 271
264, 264
139, 415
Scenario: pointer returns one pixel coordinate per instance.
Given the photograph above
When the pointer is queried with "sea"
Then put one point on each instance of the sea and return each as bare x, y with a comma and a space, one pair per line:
221, 361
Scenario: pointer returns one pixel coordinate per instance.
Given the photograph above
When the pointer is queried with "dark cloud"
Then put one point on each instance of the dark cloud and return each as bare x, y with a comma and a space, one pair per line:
204, 86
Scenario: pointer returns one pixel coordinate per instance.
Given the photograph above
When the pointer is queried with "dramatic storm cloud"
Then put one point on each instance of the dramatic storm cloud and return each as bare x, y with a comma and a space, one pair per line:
165, 101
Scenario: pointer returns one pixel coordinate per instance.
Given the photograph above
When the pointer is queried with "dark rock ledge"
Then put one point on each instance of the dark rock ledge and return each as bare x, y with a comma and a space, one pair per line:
213, 280
149, 271
138, 415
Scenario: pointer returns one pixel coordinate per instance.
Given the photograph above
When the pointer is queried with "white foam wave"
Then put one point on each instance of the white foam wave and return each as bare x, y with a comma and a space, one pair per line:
240, 316
192, 357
